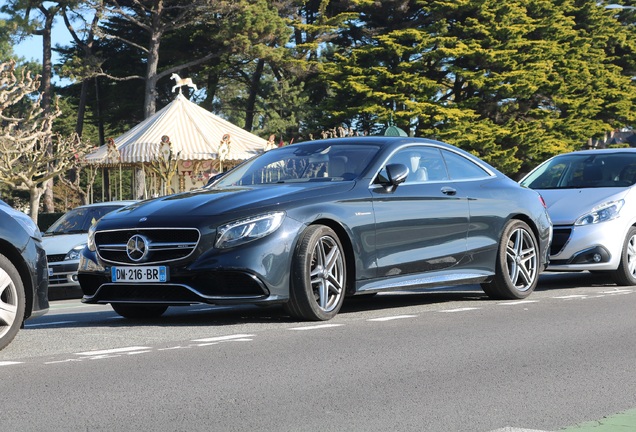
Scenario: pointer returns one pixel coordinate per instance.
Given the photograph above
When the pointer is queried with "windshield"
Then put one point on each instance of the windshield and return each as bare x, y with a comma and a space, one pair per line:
302, 163
79, 220
586, 170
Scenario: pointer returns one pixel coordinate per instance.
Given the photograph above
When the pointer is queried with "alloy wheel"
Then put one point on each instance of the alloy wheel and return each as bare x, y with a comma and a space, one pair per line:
327, 273
522, 259
8, 302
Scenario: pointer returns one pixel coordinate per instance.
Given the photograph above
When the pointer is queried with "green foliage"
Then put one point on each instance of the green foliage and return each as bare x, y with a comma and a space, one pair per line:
513, 82
6, 50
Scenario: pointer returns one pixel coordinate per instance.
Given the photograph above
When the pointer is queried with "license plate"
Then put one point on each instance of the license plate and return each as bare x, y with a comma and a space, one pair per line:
139, 274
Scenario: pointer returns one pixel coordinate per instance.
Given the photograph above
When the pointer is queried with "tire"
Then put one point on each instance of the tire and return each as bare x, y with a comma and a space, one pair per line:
139, 311
517, 266
12, 301
318, 276
625, 274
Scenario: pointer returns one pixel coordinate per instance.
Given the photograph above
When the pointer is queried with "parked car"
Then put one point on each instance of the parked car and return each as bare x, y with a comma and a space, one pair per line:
307, 224
67, 236
23, 274
591, 199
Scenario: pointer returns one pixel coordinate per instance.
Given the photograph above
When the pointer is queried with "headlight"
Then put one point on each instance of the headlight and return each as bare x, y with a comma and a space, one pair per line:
601, 213
245, 230
91, 239
74, 253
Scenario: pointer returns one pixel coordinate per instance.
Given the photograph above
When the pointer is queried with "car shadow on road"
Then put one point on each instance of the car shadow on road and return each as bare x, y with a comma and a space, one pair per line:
565, 280
209, 315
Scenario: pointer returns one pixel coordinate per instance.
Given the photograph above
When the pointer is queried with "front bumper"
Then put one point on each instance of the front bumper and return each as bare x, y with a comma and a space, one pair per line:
254, 273
588, 247
63, 274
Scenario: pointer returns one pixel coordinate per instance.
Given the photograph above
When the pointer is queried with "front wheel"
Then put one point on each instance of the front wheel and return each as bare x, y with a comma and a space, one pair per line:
12, 301
517, 266
318, 275
625, 274
138, 311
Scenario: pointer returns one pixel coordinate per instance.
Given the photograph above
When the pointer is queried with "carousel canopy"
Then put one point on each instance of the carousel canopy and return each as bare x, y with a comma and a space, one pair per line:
194, 134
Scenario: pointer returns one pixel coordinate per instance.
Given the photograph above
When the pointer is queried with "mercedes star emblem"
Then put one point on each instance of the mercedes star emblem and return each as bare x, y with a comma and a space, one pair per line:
137, 247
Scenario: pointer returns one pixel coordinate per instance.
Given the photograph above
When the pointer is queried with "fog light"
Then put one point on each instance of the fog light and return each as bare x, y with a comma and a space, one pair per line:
597, 257
74, 275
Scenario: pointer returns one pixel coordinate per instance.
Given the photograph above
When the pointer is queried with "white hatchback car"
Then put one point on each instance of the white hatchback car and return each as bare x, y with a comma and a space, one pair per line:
591, 200
67, 236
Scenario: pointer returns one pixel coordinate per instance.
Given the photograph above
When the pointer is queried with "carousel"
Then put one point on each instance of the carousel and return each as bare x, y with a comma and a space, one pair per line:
177, 149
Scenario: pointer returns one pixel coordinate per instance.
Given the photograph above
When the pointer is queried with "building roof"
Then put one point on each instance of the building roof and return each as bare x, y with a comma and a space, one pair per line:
194, 134
395, 131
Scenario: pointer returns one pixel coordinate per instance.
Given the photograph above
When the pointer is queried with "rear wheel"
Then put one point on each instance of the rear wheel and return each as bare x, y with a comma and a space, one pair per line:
139, 311
12, 301
517, 267
318, 276
625, 274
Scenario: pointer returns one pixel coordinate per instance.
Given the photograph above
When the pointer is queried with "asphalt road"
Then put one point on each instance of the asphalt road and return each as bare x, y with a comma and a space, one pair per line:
450, 360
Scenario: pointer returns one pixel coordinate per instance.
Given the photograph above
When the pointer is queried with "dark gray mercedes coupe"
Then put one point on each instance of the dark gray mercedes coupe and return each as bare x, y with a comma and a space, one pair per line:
309, 224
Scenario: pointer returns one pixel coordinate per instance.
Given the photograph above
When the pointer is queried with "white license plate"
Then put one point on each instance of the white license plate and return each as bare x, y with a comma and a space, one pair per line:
139, 274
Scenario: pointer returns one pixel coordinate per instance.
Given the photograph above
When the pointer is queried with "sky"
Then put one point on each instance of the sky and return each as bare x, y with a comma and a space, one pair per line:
31, 48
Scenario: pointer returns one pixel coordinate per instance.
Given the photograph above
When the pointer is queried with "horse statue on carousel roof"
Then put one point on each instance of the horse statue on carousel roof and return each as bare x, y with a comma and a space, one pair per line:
180, 82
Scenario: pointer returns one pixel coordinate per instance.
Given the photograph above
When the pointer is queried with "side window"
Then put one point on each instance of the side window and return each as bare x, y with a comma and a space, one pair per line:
424, 164
433, 163
460, 168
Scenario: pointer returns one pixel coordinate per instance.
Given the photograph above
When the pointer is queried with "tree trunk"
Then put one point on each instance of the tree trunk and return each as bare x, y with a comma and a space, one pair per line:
150, 94
251, 100
35, 194
140, 183
47, 71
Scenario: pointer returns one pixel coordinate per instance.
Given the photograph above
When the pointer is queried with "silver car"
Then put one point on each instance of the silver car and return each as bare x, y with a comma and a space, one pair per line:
66, 237
591, 200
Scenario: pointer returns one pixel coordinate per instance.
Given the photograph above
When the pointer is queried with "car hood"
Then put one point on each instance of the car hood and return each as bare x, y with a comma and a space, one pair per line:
565, 206
207, 202
63, 243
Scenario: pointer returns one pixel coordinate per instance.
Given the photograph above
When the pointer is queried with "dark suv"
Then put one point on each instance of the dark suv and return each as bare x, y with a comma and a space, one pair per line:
23, 272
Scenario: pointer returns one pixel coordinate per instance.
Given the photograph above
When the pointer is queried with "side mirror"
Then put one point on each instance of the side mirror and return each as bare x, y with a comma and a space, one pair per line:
395, 175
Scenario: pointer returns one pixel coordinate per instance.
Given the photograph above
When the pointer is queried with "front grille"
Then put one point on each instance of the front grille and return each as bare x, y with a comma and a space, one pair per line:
198, 287
164, 244
57, 279
559, 239
55, 258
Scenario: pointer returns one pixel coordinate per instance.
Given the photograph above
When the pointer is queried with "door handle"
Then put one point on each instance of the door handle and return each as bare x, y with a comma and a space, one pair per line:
448, 190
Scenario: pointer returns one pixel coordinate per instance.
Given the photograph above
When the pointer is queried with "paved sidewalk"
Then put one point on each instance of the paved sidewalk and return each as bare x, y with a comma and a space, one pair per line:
621, 422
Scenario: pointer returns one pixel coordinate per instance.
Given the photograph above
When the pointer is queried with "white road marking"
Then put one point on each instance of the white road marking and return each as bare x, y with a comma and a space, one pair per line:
229, 340
64, 361
316, 327
8, 363
224, 338
460, 309
571, 296
49, 324
389, 318
618, 291
114, 351
520, 302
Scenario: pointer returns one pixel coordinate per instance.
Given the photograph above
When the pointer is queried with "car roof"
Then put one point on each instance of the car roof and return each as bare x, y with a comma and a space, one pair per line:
375, 139
602, 151
107, 203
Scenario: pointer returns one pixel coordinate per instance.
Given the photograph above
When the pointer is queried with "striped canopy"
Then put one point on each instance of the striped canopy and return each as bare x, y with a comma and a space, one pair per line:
194, 133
